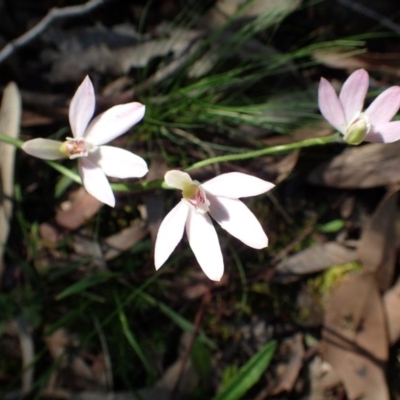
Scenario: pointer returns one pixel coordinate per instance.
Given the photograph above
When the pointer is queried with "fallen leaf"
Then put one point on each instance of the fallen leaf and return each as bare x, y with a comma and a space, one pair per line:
78, 210
123, 240
272, 10
292, 352
366, 166
391, 301
352, 59
317, 258
354, 337
86, 246
10, 121
377, 246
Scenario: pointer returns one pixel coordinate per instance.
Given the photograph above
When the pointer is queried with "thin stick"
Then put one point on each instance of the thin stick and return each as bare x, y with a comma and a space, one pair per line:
368, 12
53, 15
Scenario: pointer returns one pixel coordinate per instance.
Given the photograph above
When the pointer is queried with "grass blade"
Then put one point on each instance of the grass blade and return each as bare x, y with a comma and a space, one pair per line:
248, 375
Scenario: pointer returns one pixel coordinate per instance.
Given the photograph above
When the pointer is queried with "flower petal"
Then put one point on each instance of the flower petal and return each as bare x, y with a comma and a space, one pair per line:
119, 163
353, 94
330, 106
95, 181
46, 149
178, 179
81, 108
385, 106
238, 220
204, 242
236, 184
170, 233
387, 132
114, 122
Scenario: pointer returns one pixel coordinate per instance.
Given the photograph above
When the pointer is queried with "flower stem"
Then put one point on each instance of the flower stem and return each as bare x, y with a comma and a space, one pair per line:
282, 148
159, 183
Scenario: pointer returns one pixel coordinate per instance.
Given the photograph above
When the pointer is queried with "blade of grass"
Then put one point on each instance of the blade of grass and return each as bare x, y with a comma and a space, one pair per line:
248, 375
132, 340
183, 323
85, 284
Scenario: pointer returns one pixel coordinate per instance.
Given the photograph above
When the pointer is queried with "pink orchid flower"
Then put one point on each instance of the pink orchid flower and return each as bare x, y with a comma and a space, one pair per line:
346, 115
95, 161
219, 198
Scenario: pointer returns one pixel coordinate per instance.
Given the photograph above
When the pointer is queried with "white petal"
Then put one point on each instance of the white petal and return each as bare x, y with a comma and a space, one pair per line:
178, 179
238, 220
387, 132
170, 233
353, 94
114, 122
236, 184
204, 242
330, 106
119, 163
95, 181
81, 108
385, 106
46, 149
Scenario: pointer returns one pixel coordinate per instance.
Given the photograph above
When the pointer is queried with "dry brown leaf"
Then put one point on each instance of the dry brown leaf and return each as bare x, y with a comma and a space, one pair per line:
22, 328
123, 241
292, 351
367, 166
276, 10
358, 58
317, 258
391, 301
10, 121
377, 247
86, 246
355, 339
77, 211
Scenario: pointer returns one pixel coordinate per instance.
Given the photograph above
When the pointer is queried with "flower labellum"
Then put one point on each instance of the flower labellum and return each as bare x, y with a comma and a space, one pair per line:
218, 197
95, 160
345, 112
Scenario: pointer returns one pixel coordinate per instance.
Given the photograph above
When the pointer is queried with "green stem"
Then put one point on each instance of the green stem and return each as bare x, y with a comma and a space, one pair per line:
282, 148
159, 183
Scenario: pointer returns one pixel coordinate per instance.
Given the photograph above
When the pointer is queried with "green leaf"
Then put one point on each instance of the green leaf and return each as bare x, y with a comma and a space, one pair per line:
331, 226
201, 359
183, 323
85, 284
248, 375
132, 340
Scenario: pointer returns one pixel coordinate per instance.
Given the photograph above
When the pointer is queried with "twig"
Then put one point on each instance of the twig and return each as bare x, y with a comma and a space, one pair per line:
53, 15
206, 299
361, 9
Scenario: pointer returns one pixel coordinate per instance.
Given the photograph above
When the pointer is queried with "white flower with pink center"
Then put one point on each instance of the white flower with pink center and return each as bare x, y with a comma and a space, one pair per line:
345, 113
95, 160
218, 197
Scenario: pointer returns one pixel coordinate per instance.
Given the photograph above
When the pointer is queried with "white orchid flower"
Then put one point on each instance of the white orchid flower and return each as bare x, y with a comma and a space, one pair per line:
95, 161
219, 197
345, 112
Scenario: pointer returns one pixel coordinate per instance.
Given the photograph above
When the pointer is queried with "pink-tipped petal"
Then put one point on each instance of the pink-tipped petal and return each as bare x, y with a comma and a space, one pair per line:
114, 122
387, 132
95, 181
238, 220
353, 94
46, 149
204, 242
385, 106
170, 233
119, 163
81, 108
236, 184
330, 106
178, 179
